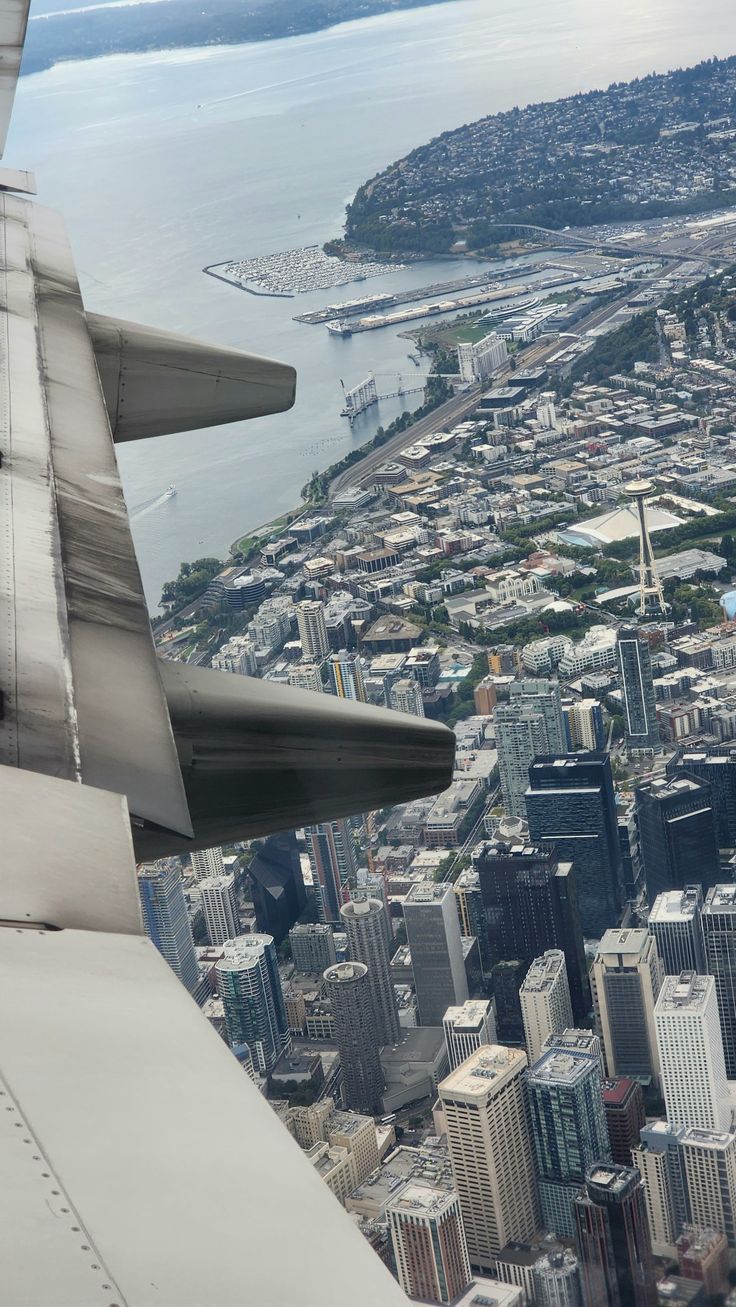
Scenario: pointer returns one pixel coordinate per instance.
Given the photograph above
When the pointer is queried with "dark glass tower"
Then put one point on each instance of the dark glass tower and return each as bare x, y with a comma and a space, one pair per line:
530, 905
718, 768
677, 835
719, 933
637, 691
612, 1234
568, 1129
278, 889
570, 803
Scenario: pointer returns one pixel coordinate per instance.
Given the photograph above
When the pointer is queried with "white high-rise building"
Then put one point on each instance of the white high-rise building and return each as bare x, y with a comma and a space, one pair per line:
675, 921
405, 695
165, 918
491, 1150
626, 978
529, 725
435, 942
691, 1059
467, 1027
710, 1169
306, 676
220, 908
478, 362
310, 616
545, 1001
207, 862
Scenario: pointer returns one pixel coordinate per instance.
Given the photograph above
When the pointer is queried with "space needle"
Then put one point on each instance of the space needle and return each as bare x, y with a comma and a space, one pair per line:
651, 595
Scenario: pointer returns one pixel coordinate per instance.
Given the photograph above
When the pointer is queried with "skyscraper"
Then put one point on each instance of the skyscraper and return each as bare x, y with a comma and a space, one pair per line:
626, 979
312, 946
207, 862
433, 935
306, 676
710, 1168
568, 1129
556, 1280
637, 689
364, 924
528, 725
612, 1235
659, 1159
570, 803
355, 1032
675, 921
491, 1150
405, 695
346, 675
545, 1001
429, 1243
691, 1058
719, 933
718, 768
530, 903
277, 885
584, 729
220, 908
472, 913
331, 850
249, 985
165, 918
677, 835
310, 616
623, 1104
467, 1027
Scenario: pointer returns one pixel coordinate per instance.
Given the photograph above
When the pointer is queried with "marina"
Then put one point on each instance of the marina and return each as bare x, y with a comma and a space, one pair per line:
295, 272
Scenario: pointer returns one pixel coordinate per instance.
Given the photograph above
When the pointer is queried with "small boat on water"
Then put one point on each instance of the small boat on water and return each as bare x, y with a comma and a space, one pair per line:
169, 492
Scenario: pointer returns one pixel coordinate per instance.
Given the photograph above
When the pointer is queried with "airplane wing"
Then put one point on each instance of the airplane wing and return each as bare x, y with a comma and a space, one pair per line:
140, 1165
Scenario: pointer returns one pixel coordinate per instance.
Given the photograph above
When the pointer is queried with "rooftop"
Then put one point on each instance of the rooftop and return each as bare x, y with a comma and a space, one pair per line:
687, 992
722, 898
617, 1090
676, 905
428, 891
469, 1015
485, 1070
423, 1199
543, 972
560, 1068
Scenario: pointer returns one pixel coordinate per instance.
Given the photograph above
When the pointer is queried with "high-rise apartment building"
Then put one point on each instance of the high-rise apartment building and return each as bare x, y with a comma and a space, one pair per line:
310, 616
584, 729
613, 1240
637, 689
220, 908
677, 836
364, 924
570, 803
207, 862
530, 904
346, 675
306, 675
545, 1001
467, 1027
719, 935
556, 1280
718, 768
478, 361
710, 1168
568, 1129
626, 979
528, 725
437, 963
429, 1243
312, 947
372, 885
249, 985
491, 1150
659, 1159
623, 1104
331, 850
675, 922
357, 1038
165, 918
405, 695
691, 1061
